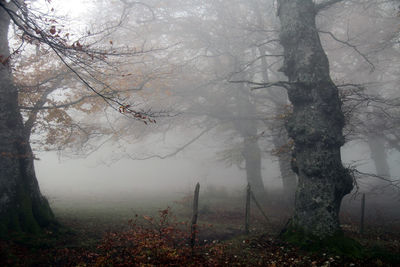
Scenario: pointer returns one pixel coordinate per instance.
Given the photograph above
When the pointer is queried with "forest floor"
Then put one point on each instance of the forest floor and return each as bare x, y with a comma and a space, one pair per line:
155, 232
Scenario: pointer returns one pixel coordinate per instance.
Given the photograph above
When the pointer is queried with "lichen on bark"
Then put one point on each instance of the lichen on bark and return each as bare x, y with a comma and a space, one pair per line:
316, 123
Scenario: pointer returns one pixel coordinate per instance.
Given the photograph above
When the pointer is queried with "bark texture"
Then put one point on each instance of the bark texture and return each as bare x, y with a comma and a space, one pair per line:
22, 207
316, 122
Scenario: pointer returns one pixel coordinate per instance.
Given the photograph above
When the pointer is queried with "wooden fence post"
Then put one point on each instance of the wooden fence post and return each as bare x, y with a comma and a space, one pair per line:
362, 214
247, 214
195, 214
259, 207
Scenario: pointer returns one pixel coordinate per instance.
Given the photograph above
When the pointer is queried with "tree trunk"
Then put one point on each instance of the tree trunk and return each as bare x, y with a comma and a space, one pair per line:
22, 207
251, 151
316, 123
252, 156
378, 155
247, 128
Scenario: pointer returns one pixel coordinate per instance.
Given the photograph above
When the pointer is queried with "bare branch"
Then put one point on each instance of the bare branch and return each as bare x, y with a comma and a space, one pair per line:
391, 182
283, 84
177, 150
28, 125
111, 94
352, 46
56, 77
129, 4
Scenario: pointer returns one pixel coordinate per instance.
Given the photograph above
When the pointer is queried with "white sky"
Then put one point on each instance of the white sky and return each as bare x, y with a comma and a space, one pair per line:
76, 12
72, 8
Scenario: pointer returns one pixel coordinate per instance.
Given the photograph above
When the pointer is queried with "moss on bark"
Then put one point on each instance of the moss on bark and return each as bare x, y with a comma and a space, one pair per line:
27, 215
337, 243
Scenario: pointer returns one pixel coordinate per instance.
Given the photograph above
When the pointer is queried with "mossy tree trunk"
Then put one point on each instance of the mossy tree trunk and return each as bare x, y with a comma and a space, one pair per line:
22, 207
316, 123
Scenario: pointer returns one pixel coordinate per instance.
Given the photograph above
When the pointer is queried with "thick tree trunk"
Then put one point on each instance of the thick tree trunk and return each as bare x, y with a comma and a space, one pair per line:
22, 207
316, 122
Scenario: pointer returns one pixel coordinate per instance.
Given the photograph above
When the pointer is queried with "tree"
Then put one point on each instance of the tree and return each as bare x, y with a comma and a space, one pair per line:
223, 36
316, 123
208, 53
22, 206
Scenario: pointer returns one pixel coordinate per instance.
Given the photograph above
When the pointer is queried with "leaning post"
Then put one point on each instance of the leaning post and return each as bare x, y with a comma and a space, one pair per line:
362, 214
194, 216
247, 213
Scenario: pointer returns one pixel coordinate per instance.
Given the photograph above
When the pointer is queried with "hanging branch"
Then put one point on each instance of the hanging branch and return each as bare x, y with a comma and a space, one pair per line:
351, 46
356, 174
75, 53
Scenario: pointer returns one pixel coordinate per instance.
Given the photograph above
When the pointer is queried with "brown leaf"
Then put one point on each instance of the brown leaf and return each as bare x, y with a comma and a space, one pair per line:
53, 29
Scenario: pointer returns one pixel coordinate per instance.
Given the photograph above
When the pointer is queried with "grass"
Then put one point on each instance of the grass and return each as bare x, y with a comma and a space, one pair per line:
96, 226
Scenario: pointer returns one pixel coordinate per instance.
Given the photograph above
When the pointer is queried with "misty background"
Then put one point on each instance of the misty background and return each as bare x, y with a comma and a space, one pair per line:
194, 63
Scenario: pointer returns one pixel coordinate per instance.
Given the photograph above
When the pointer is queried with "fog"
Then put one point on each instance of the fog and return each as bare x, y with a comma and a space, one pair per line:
187, 72
98, 175
68, 177
286, 113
